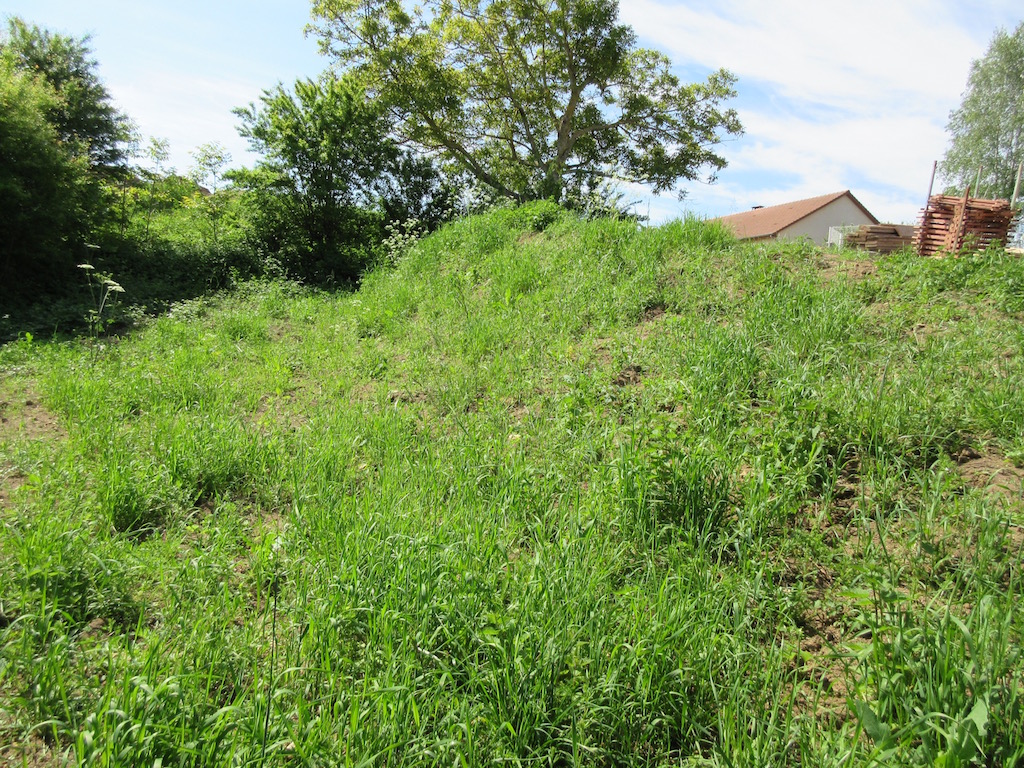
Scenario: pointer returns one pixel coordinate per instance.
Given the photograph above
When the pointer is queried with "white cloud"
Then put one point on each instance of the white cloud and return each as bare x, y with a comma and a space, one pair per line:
189, 111
835, 54
833, 95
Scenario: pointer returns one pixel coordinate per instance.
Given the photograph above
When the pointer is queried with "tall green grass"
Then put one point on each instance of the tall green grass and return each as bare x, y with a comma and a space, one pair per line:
542, 491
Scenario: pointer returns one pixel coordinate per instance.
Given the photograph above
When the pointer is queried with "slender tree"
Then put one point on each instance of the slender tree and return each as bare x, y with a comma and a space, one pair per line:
987, 130
209, 163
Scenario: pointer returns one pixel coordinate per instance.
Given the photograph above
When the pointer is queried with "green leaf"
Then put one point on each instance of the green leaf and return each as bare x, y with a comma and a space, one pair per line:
876, 730
979, 716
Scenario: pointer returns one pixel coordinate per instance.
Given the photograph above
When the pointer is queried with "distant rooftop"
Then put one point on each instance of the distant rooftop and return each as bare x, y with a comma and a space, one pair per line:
768, 221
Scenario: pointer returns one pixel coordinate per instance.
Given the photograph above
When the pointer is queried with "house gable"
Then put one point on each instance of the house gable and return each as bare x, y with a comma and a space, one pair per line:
801, 218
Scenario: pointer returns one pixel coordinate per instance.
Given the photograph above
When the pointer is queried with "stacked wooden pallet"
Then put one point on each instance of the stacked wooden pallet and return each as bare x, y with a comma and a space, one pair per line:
950, 224
880, 238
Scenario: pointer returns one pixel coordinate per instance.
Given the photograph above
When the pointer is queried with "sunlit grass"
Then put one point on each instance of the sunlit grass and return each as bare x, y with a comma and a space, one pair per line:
543, 492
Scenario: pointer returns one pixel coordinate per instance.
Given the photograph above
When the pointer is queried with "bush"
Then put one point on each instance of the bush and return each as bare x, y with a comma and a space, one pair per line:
43, 191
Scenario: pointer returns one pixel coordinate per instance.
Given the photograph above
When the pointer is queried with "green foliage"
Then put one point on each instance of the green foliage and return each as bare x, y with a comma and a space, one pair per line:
332, 179
946, 688
413, 191
534, 101
43, 189
537, 215
670, 490
83, 114
185, 246
61, 138
546, 490
313, 191
987, 130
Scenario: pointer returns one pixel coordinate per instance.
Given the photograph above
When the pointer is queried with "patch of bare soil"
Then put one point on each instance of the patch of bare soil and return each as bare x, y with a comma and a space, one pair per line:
10, 481
33, 753
23, 418
833, 516
365, 392
282, 411
629, 376
993, 474
823, 663
404, 396
602, 352
651, 322
652, 313
26, 419
921, 332
878, 308
282, 330
825, 669
831, 267
520, 412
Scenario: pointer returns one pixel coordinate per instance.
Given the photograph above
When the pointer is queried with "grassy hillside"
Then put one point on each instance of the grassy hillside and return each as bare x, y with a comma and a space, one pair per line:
542, 492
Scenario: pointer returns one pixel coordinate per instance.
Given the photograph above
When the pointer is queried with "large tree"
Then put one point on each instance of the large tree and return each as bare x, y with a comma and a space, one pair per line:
534, 98
988, 129
44, 189
84, 114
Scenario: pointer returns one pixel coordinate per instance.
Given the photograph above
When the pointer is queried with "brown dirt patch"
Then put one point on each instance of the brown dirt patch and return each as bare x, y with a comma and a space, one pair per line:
10, 481
365, 392
652, 313
921, 332
404, 396
602, 352
281, 330
520, 413
23, 418
281, 411
629, 376
878, 308
824, 670
33, 753
651, 321
824, 661
993, 474
831, 267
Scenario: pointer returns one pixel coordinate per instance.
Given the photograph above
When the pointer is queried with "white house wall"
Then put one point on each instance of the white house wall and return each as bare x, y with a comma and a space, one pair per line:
838, 213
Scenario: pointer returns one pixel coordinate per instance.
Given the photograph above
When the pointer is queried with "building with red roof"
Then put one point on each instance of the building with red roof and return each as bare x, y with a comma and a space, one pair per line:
811, 218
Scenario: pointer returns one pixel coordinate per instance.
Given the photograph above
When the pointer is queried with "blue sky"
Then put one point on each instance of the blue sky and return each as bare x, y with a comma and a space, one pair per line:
833, 94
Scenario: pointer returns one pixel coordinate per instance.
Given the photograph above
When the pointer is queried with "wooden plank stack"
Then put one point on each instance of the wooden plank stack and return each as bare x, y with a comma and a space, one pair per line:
880, 238
949, 224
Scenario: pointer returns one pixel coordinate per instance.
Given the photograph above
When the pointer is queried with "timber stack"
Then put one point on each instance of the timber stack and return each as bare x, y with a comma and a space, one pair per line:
880, 238
950, 223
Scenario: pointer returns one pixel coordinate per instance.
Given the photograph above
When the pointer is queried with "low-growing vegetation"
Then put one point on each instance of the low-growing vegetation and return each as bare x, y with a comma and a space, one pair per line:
540, 491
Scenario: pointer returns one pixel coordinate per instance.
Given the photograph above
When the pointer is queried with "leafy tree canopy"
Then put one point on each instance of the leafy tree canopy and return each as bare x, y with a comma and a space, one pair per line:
534, 98
209, 162
42, 187
83, 114
988, 128
331, 177
322, 140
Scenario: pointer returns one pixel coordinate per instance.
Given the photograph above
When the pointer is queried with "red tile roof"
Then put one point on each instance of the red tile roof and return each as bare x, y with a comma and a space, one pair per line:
770, 220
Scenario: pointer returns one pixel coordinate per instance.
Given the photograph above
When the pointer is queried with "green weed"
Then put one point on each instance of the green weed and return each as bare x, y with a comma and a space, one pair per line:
541, 491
